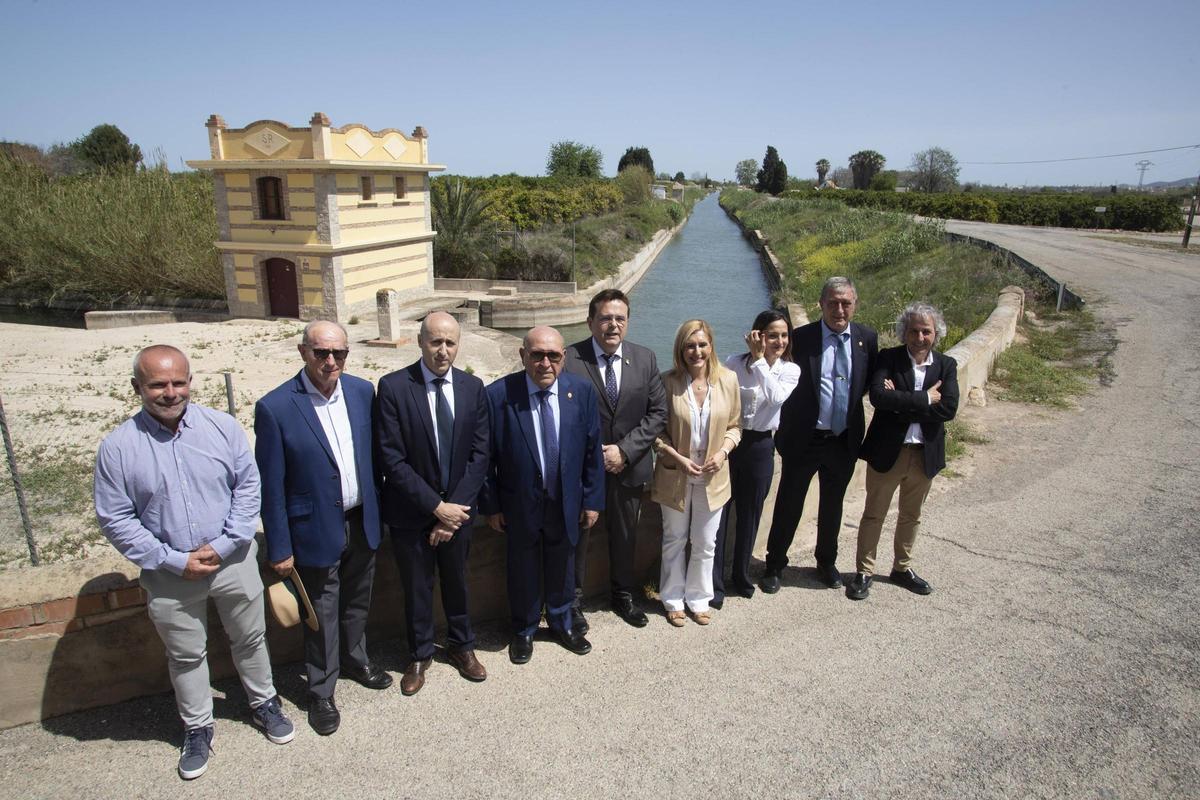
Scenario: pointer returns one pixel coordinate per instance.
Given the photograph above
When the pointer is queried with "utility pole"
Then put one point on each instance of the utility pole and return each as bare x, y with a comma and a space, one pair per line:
1142, 166
1187, 230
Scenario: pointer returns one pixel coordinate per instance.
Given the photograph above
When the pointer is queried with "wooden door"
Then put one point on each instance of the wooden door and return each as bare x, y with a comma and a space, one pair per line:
283, 296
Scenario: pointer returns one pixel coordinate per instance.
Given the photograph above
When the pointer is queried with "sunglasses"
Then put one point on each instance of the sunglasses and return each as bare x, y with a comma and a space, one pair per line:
536, 356
323, 353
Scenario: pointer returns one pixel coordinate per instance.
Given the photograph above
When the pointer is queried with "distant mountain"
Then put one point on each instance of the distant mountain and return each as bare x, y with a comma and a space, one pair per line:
1179, 184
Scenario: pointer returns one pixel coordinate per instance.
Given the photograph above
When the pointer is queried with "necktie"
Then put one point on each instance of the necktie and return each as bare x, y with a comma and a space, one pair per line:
610, 379
445, 432
549, 444
841, 384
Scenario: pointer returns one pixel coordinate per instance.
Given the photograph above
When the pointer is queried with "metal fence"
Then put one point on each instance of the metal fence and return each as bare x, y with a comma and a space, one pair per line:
51, 426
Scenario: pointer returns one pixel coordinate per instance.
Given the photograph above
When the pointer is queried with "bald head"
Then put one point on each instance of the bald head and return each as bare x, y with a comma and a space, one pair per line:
438, 339
324, 348
154, 354
323, 329
542, 355
162, 379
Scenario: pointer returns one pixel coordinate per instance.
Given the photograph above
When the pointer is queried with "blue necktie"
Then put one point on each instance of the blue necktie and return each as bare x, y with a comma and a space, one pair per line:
610, 379
841, 385
445, 432
549, 444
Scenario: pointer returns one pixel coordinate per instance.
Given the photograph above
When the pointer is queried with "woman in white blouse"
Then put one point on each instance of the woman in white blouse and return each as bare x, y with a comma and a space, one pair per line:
766, 377
691, 474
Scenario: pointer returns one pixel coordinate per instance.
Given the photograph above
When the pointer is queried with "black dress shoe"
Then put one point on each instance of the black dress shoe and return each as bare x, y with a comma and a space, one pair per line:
520, 649
573, 640
717, 604
769, 582
323, 716
859, 586
829, 575
626, 610
911, 581
579, 621
372, 677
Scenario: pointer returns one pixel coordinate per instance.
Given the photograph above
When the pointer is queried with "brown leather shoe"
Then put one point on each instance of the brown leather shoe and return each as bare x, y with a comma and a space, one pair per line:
414, 676
467, 664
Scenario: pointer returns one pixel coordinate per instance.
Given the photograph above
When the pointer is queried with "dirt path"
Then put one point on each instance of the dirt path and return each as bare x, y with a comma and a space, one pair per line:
1056, 658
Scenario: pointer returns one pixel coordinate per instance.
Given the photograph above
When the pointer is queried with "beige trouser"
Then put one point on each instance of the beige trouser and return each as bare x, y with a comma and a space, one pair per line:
907, 474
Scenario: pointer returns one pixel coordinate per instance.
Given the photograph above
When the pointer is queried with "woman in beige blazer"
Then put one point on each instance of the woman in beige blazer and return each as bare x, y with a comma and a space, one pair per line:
691, 475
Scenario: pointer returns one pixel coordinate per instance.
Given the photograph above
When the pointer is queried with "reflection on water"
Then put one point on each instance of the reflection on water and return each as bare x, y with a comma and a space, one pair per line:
709, 271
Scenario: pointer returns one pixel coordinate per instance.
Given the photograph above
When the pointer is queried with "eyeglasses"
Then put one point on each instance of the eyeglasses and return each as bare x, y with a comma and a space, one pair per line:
536, 356
323, 353
615, 319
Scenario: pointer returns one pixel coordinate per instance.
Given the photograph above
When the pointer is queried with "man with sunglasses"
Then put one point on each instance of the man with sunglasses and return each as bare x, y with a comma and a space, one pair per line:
545, 483
320, 509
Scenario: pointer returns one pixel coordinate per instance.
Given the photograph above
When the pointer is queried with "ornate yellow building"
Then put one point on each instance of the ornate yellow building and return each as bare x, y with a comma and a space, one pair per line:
314, 221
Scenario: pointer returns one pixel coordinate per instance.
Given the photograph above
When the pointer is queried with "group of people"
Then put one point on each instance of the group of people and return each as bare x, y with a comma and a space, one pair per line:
539, 453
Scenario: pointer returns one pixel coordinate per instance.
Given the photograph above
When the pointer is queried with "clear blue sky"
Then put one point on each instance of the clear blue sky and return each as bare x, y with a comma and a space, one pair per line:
702, 84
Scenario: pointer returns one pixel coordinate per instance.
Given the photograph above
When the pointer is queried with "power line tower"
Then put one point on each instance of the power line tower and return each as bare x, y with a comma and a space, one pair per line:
1142, 166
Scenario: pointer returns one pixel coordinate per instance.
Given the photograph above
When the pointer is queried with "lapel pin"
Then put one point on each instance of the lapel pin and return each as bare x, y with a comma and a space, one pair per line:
569, 395
627, 361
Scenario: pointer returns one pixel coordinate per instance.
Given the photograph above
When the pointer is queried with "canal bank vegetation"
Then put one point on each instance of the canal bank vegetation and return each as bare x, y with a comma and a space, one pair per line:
547, 229
892, 258
1057, 357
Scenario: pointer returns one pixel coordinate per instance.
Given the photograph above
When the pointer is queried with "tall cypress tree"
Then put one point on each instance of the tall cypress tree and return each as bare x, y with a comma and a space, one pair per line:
772, 178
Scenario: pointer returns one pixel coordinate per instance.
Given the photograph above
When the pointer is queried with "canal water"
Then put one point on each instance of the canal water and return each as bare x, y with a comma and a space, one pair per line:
708, 271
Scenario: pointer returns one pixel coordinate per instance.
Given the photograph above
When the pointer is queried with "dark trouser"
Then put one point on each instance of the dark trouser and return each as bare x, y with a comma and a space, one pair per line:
751, 467
827, 457
622, 506
417, 559
341, 597
541, 557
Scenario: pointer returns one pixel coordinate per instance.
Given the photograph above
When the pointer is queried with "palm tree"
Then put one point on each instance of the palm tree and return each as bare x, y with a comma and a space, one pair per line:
459, 217
822, 170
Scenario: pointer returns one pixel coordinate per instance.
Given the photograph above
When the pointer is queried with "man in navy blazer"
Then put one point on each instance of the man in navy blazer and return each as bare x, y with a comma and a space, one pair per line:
432, 430
320, 509
821, 426
915, 393
546, 479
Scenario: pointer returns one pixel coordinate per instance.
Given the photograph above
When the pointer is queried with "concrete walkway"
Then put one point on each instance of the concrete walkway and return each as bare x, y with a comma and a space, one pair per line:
1056, 658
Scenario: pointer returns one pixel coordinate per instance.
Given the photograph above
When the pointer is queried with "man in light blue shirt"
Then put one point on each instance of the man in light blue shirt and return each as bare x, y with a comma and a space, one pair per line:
177, 493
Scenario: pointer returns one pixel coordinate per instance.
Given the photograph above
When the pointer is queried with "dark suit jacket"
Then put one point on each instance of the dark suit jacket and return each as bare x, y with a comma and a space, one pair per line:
896, 409
514, 484
641, 412
408, 454
302, 512
798, 417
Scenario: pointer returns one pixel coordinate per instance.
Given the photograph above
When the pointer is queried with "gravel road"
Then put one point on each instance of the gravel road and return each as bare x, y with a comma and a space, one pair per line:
1056, 658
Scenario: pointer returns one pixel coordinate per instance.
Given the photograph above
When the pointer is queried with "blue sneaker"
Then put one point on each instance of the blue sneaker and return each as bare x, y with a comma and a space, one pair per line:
269, 716
197, 747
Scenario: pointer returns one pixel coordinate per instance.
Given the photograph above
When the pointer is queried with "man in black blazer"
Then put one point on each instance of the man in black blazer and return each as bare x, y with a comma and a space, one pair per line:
432, 434
633, 410
821, 426
915, 393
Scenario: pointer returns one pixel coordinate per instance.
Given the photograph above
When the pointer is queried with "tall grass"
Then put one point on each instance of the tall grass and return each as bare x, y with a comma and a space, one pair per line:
108, 236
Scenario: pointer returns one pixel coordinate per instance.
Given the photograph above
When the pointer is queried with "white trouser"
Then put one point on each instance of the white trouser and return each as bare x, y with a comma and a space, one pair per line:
178, 607
689, 580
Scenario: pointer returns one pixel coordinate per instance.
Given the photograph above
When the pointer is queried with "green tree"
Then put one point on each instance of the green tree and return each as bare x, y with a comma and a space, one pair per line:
634, 183
460, 218
864, 165
679, 177
885, 181
107, 147
822, 170
569, 159
772, 178
746, 172
636, 156
934, 170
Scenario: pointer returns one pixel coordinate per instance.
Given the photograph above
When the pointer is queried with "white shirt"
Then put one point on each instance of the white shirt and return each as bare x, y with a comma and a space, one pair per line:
602, 362
763, 389
535, 405
431, 395
335, 421
914, 435
699, 442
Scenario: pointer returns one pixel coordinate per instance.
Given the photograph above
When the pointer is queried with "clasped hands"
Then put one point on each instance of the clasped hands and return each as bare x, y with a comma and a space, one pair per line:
202, 562
451, 517
711, 465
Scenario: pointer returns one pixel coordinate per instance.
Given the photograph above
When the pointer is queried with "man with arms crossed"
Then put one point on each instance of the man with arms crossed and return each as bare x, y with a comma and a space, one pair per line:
633, 410
176, 492
915, 393
545, 482
432, 430
821, 426
320, 509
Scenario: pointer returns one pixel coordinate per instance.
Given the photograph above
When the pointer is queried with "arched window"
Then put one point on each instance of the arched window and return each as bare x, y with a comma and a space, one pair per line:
270, 198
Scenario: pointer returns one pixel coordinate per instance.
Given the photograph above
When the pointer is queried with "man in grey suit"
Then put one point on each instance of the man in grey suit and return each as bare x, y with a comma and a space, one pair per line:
633, 410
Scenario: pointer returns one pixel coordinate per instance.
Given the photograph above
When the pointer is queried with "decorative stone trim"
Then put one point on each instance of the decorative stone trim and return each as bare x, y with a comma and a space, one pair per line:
377, 264
381, 222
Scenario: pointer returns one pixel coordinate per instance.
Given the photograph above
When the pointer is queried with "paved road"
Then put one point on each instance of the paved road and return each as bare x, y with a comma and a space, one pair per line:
1057, 658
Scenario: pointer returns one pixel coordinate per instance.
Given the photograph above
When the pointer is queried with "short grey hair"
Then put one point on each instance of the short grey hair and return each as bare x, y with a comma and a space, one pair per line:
836, 284
307, 342
921, 309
